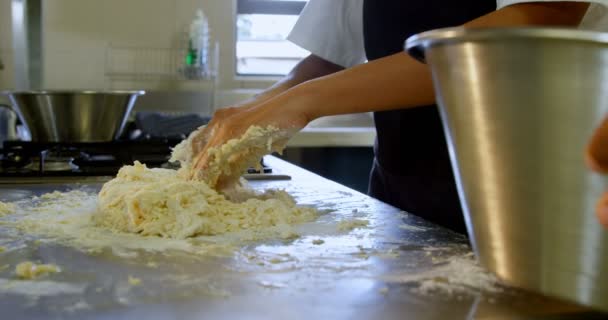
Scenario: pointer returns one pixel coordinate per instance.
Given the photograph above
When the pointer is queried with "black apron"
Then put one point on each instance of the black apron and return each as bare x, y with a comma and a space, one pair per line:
412, 169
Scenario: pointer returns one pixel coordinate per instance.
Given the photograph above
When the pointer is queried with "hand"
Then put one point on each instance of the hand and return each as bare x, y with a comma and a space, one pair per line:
203, 133
232, 123
597, 159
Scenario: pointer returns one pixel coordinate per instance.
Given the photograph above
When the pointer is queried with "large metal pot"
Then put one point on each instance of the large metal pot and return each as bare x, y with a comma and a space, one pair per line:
518, 108
73, 116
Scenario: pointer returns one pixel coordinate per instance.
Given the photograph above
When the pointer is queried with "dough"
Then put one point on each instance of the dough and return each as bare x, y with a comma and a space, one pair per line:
6, 208
134, 281
30, 270
158, 202
229, 161
348, 225
161, 202
166, 203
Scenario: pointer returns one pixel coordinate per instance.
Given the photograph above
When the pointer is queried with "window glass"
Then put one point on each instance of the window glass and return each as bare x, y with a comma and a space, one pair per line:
262, 29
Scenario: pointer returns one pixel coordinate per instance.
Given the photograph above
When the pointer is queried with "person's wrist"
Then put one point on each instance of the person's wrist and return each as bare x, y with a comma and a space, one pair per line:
304, 99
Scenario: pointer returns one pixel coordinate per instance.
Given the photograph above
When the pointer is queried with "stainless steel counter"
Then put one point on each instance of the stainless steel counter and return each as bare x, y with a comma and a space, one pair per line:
351, 275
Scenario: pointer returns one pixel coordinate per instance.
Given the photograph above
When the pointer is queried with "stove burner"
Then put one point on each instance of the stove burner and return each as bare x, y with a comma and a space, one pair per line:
59, 159
40, 160
18, 158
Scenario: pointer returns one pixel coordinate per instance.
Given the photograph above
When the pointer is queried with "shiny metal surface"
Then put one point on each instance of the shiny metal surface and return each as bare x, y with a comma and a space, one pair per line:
28, 49
518, 107
351, 275
73, 116
8, 124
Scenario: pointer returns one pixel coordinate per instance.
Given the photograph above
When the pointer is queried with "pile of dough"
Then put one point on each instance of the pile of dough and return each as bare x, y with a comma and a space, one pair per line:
30, 270
166, 203
6, 208
229, 161
159, 202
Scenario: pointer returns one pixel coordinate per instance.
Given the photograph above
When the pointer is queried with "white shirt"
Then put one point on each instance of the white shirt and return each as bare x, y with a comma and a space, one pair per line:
333, 29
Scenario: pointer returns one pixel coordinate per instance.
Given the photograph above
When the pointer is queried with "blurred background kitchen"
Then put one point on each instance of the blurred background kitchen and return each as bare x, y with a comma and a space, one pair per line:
148, 45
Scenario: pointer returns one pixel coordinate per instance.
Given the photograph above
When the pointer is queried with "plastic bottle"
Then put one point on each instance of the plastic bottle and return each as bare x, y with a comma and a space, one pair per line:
198, 42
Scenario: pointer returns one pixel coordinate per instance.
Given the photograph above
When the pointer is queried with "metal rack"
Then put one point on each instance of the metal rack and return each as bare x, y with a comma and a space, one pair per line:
171, 85
144, 63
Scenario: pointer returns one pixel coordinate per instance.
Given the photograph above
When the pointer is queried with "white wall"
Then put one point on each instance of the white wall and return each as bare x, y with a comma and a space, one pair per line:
77, 34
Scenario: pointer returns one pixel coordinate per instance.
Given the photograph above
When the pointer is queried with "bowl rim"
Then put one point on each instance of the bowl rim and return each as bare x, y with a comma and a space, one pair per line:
417, 44
73, 92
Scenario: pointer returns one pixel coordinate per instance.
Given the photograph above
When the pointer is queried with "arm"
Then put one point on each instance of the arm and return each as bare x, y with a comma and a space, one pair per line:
356, 89
309, 68
393, 82
597, 159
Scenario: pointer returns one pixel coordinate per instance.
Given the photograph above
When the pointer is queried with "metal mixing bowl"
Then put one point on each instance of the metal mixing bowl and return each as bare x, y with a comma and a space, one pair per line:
518, 108
73, 116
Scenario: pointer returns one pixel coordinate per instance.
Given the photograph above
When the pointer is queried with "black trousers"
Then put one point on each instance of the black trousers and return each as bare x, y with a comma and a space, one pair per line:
433, 198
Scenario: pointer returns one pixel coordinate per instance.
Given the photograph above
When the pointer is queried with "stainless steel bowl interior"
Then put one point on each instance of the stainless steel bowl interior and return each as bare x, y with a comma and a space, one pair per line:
73, 116
518, 108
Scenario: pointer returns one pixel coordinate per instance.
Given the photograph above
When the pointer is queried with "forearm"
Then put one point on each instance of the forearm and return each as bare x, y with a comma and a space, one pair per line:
393, 82
399, 81
309, 68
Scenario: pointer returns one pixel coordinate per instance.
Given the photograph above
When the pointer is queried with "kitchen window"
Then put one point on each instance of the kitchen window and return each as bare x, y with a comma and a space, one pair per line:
262, 27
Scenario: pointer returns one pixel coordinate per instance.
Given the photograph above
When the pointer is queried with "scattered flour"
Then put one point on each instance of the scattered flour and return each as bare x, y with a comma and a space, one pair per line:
134, 281
458, 275
351, 224
39, 288
6, 208
74, 227
30, 270
411, 228
67, 218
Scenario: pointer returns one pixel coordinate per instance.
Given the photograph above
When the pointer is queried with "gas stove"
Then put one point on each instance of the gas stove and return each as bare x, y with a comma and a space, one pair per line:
35, 162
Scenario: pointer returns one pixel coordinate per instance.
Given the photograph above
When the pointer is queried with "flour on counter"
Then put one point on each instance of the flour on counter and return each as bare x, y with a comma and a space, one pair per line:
351, 224
67, 219
458, 275
39, 288
134, 281
6, 208
411, 227
30, 270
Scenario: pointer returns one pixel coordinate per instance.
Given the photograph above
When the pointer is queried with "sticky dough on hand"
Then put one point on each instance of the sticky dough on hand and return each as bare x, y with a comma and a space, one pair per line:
229, 161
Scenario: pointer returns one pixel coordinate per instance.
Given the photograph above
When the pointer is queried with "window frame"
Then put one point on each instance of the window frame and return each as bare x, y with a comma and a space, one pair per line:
291, 7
